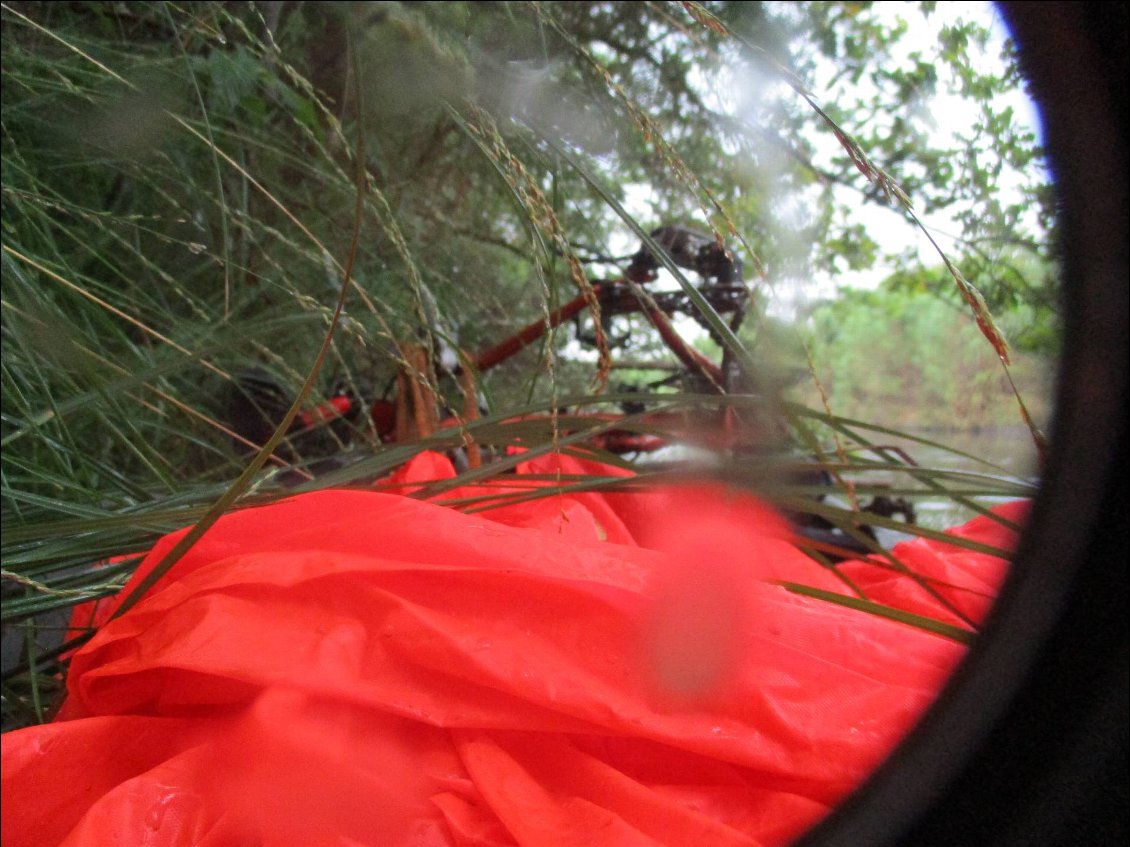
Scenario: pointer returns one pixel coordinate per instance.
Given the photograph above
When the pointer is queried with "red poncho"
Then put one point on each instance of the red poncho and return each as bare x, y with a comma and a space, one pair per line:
350, 667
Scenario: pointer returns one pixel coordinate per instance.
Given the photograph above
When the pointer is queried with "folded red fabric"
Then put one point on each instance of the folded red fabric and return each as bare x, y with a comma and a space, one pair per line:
353, 667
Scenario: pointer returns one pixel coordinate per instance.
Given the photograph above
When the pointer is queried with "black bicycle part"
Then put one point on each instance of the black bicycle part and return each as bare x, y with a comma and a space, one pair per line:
688, 249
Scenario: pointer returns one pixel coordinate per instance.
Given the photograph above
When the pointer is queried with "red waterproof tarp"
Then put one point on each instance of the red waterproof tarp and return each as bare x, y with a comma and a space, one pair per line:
352, 667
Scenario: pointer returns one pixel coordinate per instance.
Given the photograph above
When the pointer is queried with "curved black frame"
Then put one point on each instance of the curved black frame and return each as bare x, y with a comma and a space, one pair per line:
1027, 744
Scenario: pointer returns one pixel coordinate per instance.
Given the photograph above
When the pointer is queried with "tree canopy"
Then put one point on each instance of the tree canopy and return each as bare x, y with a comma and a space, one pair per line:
184, 110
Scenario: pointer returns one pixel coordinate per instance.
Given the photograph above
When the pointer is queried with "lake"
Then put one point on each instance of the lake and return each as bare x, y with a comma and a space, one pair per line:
1010, 448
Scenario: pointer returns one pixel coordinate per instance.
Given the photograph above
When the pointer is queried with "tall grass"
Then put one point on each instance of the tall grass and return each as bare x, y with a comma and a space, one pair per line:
171, 217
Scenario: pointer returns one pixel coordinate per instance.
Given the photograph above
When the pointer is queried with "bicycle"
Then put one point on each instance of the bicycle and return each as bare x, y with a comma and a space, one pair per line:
415, 410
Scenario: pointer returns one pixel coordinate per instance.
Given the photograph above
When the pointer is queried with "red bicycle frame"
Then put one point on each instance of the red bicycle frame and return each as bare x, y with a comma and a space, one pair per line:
620, 296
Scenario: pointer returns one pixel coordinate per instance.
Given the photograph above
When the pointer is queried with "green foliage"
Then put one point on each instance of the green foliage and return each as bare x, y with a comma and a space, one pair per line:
913, 360
179, 195
1018, 290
